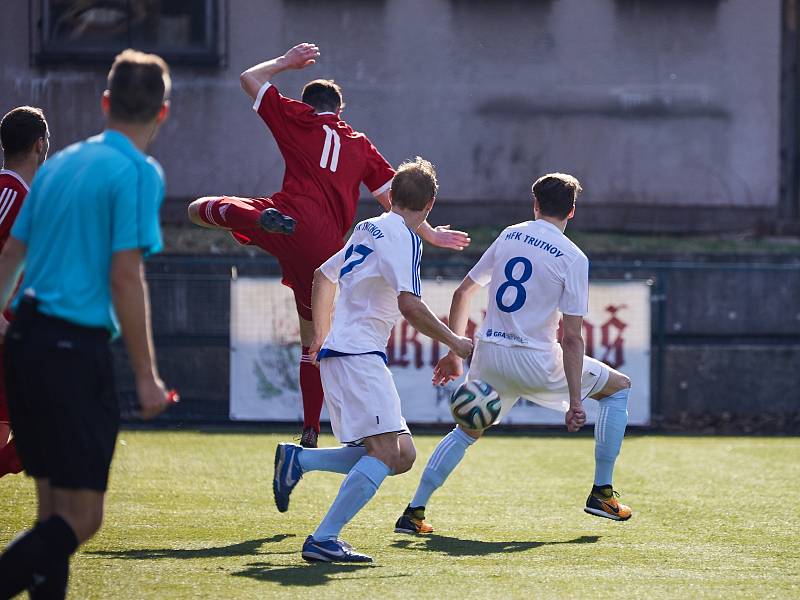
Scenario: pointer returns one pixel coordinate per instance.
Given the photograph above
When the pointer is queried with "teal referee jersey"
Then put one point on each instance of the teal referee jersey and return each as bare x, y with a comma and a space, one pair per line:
92, 199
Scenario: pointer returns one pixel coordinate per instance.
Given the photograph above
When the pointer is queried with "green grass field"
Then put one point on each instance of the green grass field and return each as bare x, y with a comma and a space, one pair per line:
190, 515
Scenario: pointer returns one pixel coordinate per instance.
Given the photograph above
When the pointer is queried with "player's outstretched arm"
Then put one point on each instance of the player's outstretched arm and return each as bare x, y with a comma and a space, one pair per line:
573, 348
423, 320
444, 237
450, 366
298, 57
130, 297
323, 293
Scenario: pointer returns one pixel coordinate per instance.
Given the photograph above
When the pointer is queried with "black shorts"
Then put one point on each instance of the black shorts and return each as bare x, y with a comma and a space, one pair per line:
62, 401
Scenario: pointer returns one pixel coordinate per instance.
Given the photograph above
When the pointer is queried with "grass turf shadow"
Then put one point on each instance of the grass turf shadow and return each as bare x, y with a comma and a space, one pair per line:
307, 575
458, 547
247, 548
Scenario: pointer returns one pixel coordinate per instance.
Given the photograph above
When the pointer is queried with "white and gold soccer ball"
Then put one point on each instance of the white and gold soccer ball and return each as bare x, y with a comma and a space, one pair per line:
475, 404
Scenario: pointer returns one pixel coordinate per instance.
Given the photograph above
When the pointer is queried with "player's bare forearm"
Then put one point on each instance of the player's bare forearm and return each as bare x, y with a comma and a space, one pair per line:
323, 293
130, 297
423, 320
450, 367
298, 57
12, 260
573, 348
444, 237
131, 302
459, 307
256, 76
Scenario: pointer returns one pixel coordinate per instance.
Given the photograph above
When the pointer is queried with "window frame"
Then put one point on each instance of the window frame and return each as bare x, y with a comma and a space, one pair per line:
44, 51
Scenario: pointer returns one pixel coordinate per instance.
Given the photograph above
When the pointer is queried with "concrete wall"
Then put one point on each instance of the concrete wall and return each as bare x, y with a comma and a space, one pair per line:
648, 102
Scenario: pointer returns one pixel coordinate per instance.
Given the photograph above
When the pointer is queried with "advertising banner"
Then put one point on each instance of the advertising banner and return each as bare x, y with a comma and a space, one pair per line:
265, 352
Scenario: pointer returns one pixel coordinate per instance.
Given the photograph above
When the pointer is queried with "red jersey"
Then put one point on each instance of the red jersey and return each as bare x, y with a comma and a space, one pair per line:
326, 160
13, 190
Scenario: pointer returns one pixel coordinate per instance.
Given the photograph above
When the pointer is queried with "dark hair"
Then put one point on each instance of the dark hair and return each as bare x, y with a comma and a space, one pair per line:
414, 184
556, 193
324, 95
138, 84
20, 128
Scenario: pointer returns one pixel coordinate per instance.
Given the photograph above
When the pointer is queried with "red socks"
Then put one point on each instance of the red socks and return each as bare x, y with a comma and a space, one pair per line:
9, 460
231, 213
311, 388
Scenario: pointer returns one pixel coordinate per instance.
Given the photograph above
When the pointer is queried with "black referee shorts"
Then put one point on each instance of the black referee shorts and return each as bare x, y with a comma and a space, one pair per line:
62, 401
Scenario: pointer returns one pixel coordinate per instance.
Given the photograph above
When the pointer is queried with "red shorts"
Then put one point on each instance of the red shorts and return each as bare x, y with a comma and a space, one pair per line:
316, 238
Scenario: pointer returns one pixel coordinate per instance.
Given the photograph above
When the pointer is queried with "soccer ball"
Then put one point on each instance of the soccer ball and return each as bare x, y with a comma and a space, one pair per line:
475, 404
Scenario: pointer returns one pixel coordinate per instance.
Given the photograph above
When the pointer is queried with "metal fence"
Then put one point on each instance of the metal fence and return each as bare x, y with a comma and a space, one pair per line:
725, 337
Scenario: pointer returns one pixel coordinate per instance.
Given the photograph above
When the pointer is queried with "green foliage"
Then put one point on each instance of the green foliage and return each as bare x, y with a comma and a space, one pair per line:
190, 515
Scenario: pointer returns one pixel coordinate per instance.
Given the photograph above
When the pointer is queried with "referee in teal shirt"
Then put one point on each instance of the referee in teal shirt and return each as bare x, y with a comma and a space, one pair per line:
91, 215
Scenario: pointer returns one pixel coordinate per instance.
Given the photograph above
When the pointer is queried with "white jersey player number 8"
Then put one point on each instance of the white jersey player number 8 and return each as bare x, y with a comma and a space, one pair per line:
331, 139
514, 284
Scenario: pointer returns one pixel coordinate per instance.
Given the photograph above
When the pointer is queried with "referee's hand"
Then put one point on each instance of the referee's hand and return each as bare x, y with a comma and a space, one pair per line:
153, 396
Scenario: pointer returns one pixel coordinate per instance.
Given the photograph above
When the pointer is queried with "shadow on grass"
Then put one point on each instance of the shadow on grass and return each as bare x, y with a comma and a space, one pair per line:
247, 548
307, 575
458, 547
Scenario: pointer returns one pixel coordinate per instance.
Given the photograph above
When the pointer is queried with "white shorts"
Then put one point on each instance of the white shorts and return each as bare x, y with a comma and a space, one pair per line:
536, 375
361, 397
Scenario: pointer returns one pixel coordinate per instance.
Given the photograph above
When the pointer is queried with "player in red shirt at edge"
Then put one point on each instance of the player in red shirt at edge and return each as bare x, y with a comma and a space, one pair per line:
25, 140
305, 223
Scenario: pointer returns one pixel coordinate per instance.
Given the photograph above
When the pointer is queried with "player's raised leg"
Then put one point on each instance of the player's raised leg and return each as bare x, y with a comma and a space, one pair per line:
293, 461
234, 213
609, 430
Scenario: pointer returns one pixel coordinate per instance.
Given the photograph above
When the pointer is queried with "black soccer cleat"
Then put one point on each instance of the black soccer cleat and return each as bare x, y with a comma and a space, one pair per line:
309, 438
272, 220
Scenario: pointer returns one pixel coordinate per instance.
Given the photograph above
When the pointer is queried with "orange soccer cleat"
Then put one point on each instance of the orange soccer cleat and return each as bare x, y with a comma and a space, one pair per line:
602, 502
412, 521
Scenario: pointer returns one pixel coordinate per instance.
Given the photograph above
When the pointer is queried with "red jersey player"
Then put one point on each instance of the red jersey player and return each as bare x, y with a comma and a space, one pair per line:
24, 137
305, 223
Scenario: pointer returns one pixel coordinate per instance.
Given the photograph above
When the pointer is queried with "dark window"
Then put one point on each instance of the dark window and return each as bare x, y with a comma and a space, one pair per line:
185, 31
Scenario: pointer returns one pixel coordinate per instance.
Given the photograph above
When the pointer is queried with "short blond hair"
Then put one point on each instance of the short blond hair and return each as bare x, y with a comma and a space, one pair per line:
414, 184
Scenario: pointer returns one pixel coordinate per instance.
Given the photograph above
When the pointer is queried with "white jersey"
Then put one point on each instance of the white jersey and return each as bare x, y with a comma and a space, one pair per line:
380, 260
535, 273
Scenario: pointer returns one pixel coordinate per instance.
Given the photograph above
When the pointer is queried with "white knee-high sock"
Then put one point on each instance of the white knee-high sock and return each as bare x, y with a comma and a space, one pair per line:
445, 458
333, 460
608, 433
357, 489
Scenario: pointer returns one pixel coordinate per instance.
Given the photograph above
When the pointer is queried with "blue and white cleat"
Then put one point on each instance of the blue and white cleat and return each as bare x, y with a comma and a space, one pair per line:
332, 551
288, 473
